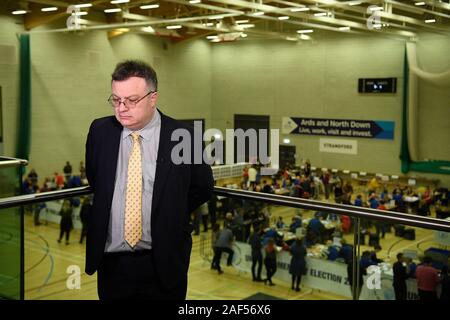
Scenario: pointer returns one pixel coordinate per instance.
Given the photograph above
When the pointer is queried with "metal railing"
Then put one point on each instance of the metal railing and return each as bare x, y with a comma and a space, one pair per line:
12, 162
341, 209
357, 213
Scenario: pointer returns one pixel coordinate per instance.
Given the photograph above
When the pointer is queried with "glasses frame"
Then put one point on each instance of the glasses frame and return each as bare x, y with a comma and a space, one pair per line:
126, 101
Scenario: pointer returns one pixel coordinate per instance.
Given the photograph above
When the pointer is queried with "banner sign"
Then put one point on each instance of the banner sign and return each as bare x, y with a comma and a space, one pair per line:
338, 146
339, 127
324, 275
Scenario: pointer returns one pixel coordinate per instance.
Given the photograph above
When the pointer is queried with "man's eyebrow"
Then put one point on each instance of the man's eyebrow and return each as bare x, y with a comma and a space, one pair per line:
131, 96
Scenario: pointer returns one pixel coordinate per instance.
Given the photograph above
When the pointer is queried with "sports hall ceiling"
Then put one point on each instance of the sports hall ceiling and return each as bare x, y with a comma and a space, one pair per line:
230, 20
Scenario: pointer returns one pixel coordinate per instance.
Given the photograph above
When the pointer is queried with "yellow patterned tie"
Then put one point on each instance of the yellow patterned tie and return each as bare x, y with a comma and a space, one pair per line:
133, 204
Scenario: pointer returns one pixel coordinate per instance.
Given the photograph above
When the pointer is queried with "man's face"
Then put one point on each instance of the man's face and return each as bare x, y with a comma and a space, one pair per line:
137, 116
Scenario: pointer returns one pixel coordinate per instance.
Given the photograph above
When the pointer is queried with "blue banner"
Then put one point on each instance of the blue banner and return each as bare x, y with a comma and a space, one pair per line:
339, 127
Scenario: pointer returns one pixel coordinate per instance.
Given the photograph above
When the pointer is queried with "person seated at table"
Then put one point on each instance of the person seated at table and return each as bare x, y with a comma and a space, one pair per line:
296, 223
397, 189
296, 189
332, 251
397, 196
267, 188
346, 251
316, 227
373, 201
384, 195
280, 223
358, 201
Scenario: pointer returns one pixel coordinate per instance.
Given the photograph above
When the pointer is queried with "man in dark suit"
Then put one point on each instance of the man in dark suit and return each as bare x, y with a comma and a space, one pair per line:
139, 235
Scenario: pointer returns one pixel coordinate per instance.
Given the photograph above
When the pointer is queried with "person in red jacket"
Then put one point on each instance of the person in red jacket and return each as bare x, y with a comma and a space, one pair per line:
427, 280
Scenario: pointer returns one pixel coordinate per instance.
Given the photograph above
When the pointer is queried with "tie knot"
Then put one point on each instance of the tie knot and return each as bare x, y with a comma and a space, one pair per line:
135, 136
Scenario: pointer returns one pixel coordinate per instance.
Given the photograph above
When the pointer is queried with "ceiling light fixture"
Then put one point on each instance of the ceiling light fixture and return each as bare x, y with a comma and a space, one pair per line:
421, 3
344, 28
16, 12
258, 13
49, 9
299, 9
83, 5
430, 21
354, 3
119, 1
305, 31
247, 25
194, 1
149, 6
375, 8
320, 14
283, 18
177, 26
242, 21
112, 10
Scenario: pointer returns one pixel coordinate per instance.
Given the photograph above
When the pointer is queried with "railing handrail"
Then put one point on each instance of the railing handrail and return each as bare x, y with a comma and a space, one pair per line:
341, 209
43, 197
12, 162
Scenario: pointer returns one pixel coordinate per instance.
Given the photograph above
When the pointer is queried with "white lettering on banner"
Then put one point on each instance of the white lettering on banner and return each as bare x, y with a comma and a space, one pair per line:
329, 276
338, 146
321, 274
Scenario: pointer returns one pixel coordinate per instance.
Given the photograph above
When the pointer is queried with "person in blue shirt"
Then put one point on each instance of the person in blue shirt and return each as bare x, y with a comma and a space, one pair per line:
346, 251
358, 201
373, 201
412, 266
316, 227
296, 223
333, 251
366, 262
280, 223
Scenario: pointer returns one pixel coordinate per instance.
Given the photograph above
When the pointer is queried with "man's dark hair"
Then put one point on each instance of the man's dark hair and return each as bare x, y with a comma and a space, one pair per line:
135, 68
399, 255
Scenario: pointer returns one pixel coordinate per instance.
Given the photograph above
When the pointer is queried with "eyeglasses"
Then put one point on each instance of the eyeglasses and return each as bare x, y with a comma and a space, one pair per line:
128, 102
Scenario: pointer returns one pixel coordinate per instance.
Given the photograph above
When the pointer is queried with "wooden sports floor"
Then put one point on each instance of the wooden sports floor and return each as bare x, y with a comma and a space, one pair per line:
47, 261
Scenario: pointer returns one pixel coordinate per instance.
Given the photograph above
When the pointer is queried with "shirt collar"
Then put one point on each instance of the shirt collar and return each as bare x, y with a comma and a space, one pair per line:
146, 132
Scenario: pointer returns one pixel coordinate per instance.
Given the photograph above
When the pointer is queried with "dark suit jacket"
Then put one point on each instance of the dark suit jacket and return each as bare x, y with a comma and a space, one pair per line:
178, 190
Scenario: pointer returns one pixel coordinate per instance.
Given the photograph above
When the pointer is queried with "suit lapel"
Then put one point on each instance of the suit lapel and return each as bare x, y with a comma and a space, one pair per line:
112, 151
163, 163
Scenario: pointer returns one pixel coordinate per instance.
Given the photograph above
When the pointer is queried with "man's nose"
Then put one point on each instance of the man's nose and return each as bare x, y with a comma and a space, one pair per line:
122, 105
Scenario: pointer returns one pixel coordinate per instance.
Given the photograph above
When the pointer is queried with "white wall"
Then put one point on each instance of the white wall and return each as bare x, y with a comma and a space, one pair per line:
9, 81
71, 72
319, 79
71, 83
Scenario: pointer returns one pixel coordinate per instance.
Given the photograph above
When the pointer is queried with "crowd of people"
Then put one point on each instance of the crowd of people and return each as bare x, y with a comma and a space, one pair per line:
66, 179
252, 222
